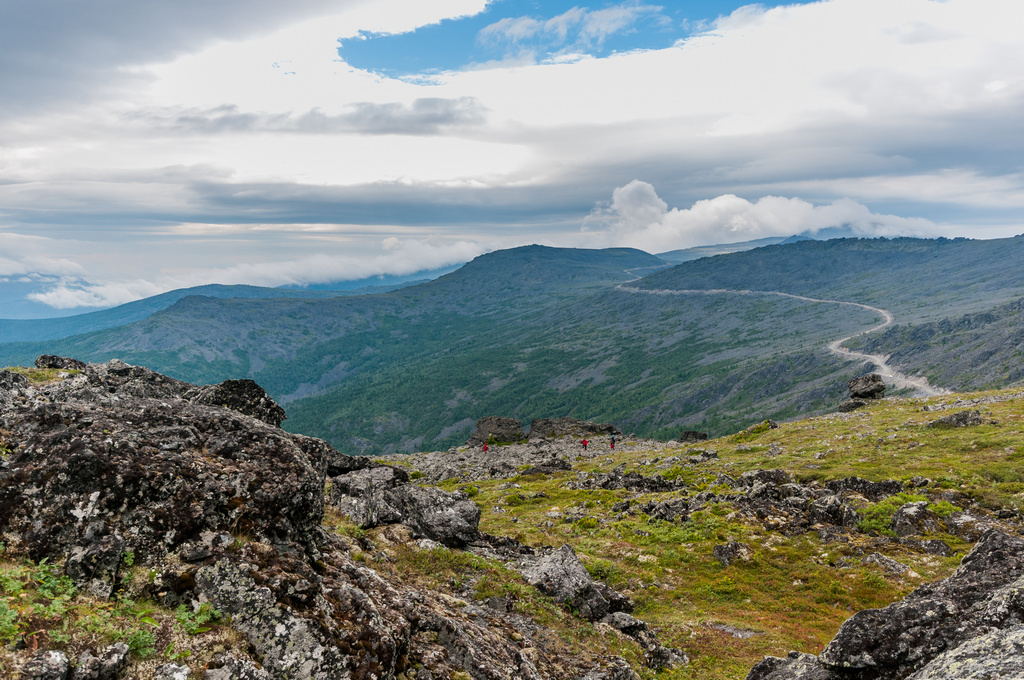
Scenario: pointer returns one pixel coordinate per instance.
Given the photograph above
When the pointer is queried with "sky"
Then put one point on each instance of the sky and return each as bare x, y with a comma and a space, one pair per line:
151, 145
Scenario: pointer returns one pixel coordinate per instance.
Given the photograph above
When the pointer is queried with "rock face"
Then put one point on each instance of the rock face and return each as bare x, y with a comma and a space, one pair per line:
496, 430
550, 428
967, 626
220, 506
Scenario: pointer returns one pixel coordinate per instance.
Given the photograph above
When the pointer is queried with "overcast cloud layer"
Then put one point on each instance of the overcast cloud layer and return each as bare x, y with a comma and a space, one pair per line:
152, 145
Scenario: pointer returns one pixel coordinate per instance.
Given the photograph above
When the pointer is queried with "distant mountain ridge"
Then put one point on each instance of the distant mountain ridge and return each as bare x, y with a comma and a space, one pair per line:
545, 332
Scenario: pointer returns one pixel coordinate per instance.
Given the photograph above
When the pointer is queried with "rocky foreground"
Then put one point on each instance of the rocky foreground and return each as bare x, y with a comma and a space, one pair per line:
141, 486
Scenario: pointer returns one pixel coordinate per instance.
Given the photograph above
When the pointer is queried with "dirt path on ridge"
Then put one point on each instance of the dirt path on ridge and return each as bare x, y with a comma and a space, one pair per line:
892, 377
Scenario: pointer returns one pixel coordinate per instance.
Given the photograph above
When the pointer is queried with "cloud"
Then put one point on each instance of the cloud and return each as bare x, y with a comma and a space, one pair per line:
577, 28
637, 217
423, 116
399, 257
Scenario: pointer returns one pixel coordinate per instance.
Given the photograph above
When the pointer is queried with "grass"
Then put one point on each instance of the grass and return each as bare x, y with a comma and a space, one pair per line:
40, 608
796, 590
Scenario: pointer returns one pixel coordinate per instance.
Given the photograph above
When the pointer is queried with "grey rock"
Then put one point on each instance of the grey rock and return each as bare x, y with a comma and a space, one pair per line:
625, 622
874, 491
244, 396
549, 428
232, 668
109, 664
64, 363
889, 565
852, 405
451, 519
958, 419
831, 510
9, 380
692, 437
913, 519
796, 666
47, 665
171, 671
866, 387
730, 552
498, 430
998, 655
749, 479
562, 576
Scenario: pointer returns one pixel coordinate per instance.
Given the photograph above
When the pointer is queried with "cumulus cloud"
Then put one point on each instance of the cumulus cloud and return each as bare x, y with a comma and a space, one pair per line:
636, 216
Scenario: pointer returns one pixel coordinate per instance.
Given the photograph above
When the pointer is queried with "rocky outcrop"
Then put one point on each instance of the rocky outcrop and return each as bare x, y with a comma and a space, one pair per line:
552, 428
958, 419
244, 396
62, 363
966, 626
220, 506
692, 437
496, 430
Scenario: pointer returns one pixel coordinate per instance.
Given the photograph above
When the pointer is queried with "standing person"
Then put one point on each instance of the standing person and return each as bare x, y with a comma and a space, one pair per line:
485, 448
584, 442
613, 442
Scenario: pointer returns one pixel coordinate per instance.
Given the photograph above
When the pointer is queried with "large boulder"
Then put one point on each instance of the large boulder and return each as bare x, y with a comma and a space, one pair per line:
958, 419
866, 387
244, 396
551, 428
383, 495
562, 576
63, 363
497, 430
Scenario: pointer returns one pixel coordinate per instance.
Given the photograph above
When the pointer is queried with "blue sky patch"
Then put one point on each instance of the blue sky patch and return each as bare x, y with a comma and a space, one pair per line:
527, 31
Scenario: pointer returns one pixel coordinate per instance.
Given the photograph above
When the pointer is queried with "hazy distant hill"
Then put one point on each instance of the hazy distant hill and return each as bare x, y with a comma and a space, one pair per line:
697, 252
28, 330
917, 278
541, 332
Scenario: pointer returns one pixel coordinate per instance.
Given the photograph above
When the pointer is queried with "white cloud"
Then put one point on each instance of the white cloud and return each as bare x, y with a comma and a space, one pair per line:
637, 217
399, 258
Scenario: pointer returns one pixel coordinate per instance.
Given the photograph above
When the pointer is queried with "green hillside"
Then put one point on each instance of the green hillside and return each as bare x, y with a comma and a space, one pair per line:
540, 332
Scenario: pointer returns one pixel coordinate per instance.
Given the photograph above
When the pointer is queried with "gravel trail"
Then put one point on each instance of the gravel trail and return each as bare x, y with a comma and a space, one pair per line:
892, 377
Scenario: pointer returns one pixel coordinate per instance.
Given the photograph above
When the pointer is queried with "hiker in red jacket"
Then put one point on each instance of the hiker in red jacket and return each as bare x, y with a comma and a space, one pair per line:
584, 442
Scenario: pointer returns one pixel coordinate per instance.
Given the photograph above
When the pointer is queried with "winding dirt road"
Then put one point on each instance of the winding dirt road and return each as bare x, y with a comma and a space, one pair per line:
892, 377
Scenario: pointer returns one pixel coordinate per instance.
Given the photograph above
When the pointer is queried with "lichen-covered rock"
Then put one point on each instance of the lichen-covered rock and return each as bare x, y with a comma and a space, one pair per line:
109, 664
562, 576
383, 495
874, 491
958, 419
999, 655
914, 519
728, 553
47, 665
244, 396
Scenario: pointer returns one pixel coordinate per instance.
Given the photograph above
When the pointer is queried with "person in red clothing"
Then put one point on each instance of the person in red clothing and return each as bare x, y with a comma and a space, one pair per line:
613, 442
485, 448
584, 442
